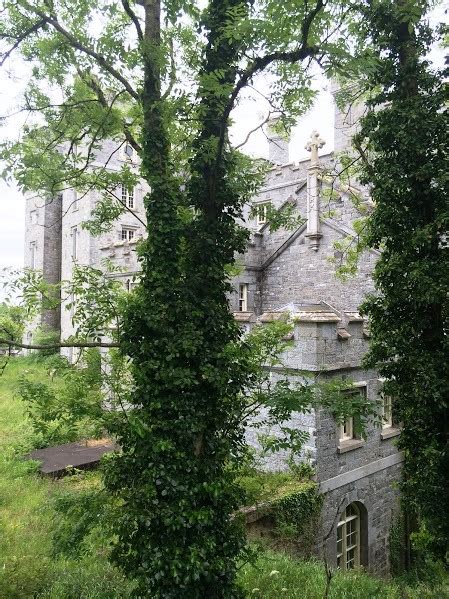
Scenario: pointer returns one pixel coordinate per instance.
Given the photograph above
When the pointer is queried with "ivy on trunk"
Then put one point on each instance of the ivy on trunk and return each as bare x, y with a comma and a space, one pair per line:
406, 136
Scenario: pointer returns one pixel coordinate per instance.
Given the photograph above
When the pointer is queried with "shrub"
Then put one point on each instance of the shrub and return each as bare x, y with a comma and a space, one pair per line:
70, 406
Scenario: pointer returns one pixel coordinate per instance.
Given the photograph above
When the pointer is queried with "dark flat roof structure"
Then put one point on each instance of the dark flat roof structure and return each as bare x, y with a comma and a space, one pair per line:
55, 461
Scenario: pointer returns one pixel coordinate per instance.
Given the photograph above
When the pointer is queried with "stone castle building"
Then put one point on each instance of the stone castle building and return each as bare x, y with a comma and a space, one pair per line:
287, 270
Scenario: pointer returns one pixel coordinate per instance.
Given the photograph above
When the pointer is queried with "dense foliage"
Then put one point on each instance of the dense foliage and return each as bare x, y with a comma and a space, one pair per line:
113, 65
11, 322
406, 144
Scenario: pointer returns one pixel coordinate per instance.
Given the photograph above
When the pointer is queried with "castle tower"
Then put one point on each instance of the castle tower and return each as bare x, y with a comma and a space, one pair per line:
43, 226
347, 118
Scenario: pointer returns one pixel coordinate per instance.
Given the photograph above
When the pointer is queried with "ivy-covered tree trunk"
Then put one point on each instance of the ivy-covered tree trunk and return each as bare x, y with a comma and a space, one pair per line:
177, 537
182, 433
407, 138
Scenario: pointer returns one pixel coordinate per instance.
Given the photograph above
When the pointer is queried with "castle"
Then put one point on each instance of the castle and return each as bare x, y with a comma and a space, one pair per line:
286, 270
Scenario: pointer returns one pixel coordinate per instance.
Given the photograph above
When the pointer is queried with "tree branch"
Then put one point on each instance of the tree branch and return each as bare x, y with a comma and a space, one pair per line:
132, 15
10, 343
101, 61
20, 39
90, 81
259, 126
262, 62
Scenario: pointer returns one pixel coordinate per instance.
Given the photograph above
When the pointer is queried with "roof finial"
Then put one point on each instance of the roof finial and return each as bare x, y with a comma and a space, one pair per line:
315, 142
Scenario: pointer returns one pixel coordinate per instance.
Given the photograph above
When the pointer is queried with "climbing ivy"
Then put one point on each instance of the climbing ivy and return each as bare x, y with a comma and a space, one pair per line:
404, 143
295, 511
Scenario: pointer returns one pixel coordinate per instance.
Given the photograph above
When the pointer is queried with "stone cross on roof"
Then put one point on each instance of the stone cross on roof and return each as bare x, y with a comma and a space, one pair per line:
315, 142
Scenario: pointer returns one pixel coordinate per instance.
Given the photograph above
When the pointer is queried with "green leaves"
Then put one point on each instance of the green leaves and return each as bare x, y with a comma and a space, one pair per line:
405, 138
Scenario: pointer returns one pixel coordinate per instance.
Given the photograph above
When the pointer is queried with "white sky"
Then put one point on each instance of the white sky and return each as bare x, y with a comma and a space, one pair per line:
246, 117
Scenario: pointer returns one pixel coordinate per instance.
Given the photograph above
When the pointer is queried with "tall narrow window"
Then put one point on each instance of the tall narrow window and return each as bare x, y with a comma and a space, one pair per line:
128, 152
74, 243
387, 412
243, 297
33, 217
262, 213
33, 254
128, 196
347, 429
348, 539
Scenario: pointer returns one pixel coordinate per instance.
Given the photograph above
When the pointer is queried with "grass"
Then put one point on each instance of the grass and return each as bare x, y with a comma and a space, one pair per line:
27, 517
28, 568
276, 575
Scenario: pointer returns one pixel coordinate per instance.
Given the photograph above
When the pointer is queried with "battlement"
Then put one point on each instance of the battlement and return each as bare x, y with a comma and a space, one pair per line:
324, 339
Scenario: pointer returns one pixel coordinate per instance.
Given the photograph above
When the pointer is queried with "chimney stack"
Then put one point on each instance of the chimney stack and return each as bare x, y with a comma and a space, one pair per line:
277, 144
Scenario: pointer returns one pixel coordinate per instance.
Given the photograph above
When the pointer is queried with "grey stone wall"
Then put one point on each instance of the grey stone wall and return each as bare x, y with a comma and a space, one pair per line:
377, 498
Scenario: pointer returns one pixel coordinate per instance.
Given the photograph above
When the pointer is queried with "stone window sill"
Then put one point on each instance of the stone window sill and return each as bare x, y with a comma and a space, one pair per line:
388, 433
349, 445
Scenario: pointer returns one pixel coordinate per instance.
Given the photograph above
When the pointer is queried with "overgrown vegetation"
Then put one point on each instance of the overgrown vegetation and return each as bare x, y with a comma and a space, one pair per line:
45, 553
68, 408
404, 142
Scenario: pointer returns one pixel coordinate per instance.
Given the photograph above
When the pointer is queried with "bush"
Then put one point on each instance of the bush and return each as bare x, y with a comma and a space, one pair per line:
70, 406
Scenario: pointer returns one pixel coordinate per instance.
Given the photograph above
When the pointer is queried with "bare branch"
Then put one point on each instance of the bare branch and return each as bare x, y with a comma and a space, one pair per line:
259, 126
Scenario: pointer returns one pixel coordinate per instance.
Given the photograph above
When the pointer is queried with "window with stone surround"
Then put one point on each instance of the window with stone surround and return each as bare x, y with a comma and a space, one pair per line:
387, 412
127, 196
349, 430
243, 297
33, 217
74, 234
33, 254
127, 233
127, 152
262, 212
348, 538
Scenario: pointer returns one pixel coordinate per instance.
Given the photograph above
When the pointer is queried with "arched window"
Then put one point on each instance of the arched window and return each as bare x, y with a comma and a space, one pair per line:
348, 538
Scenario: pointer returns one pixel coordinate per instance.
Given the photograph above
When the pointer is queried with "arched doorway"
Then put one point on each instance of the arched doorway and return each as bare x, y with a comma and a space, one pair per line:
351, 537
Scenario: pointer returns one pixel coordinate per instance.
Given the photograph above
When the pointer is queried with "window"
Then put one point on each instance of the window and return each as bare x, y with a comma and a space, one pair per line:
243, 297
348, 539
127, 233
128, 152
33, 254
262, 213
348, 430
128, 196
33, 217
74, 242
387, 412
